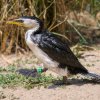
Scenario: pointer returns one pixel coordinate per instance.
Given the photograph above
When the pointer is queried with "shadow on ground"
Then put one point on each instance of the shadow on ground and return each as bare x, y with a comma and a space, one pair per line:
78, 82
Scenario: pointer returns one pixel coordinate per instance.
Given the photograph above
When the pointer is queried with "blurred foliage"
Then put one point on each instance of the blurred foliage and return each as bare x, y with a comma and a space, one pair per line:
52, 12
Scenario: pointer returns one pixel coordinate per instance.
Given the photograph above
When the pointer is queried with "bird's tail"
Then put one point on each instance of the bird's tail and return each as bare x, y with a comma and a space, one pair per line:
93, 76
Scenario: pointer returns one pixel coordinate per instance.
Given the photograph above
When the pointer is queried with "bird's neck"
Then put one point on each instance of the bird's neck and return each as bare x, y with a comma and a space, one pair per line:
33, 31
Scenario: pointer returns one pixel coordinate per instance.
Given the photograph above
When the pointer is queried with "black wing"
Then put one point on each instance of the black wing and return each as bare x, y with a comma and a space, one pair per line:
59, 51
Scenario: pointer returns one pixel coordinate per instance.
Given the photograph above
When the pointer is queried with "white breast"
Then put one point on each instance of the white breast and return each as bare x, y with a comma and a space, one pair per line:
42, 56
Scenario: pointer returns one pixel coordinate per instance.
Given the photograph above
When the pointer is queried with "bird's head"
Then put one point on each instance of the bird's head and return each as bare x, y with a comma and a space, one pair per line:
30, 22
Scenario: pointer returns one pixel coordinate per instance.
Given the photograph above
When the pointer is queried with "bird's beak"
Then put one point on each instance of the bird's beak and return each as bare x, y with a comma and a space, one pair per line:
17, 22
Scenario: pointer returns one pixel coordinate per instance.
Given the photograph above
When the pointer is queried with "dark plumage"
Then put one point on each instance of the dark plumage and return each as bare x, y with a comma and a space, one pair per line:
59, 51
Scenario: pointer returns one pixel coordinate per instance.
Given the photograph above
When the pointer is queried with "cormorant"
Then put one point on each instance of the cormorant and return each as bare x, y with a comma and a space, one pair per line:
49, 49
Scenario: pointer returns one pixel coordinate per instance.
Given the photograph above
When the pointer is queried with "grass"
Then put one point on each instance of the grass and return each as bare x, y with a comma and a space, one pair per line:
10, 78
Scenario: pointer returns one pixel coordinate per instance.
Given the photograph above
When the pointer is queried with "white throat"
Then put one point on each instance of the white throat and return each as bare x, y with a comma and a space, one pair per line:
31, 31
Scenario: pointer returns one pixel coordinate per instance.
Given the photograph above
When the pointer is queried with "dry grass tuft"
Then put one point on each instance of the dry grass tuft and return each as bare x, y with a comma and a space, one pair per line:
55, 14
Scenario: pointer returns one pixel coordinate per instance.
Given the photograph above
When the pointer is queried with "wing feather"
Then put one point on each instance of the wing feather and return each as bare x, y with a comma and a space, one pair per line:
59, 51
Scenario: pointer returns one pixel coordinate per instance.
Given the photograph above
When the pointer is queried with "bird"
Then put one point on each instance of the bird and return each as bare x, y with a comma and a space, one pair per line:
51, 50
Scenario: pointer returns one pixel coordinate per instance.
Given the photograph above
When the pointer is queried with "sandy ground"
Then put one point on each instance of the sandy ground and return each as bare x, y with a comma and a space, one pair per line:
75, 91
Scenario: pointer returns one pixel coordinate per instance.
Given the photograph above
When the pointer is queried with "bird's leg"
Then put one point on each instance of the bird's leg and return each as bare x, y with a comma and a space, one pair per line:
62, 82
65, 80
